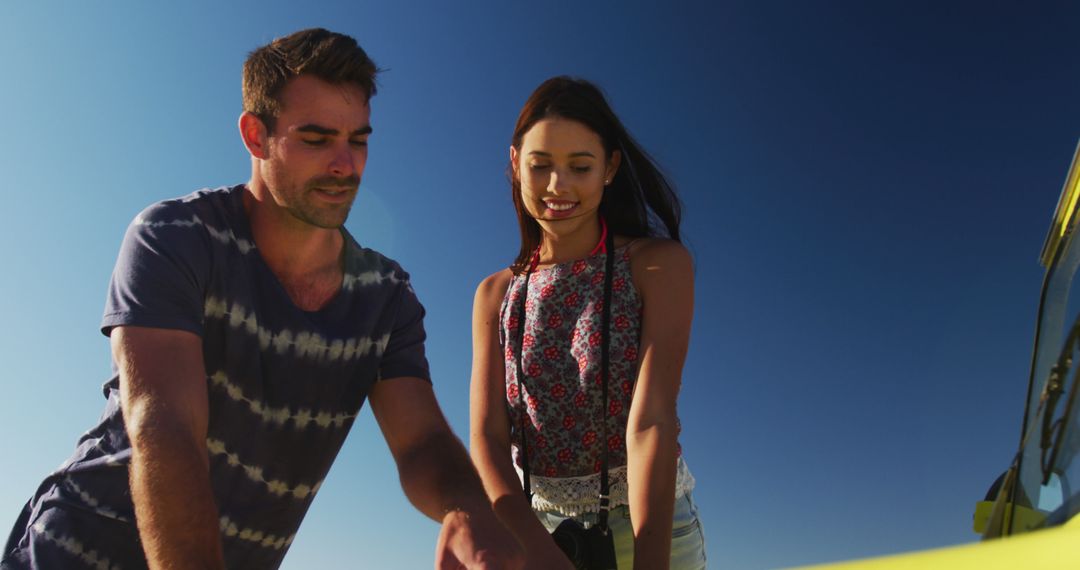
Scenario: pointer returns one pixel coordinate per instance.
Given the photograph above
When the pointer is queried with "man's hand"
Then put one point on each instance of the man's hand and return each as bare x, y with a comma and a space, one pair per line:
439, 479
476, 541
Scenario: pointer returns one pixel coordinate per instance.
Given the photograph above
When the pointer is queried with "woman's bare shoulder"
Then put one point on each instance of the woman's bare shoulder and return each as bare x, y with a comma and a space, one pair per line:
651, 250
490, 291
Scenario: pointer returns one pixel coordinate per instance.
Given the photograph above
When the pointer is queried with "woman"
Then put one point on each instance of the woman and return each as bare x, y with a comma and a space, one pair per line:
583, 188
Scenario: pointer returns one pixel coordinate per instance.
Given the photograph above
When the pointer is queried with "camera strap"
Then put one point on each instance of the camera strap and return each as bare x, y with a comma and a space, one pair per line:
605, 367
605, 362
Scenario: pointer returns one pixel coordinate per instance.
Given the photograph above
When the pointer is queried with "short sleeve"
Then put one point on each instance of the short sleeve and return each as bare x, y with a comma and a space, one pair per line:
404, 353
161, 272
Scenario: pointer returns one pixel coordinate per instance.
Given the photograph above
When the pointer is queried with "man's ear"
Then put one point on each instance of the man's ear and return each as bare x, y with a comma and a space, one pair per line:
253, 133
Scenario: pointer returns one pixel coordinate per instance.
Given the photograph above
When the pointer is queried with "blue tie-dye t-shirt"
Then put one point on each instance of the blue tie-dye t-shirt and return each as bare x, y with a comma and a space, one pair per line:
284, 384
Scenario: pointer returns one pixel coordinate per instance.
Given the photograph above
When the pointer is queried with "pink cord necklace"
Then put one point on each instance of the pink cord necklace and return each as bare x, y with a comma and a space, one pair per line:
601, 246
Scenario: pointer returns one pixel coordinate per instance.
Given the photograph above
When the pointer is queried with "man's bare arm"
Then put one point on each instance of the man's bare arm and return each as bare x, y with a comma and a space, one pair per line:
164, 401
438, 477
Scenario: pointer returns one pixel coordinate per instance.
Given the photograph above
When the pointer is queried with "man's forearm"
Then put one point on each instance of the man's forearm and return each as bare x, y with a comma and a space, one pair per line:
438, 476
174, 503
504, 490
163, 396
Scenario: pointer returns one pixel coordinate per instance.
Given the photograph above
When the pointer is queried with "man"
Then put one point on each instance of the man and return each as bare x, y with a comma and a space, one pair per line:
247, 327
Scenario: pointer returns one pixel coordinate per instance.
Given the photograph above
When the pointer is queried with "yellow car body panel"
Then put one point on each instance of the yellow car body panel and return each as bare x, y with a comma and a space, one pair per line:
1046, 549
1065, 213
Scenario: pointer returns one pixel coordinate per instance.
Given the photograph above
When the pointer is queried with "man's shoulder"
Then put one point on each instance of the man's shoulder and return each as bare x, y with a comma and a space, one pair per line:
210, 215
369, 267
201, 203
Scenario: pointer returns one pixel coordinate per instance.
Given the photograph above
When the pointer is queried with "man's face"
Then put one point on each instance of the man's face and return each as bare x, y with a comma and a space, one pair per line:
317, 151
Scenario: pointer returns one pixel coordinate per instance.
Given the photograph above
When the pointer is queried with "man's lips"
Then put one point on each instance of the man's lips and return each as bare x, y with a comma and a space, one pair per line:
334, 194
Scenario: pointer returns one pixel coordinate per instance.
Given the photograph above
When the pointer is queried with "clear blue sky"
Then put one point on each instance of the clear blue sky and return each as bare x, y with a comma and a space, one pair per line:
867, 187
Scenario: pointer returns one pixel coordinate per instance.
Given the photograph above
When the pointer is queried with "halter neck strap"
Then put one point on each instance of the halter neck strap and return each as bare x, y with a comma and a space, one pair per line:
601, 246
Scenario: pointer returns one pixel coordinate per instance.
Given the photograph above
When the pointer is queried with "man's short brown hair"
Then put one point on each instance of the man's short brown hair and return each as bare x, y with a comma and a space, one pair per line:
332, 57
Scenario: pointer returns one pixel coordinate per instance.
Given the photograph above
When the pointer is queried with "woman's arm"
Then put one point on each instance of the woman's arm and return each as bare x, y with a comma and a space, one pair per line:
490, 430
663, 273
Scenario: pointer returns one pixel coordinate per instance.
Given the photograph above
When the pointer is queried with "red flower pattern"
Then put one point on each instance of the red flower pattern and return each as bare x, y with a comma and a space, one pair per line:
562, 364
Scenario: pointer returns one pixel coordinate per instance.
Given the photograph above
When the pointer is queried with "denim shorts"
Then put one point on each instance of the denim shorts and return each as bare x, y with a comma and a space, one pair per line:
687, 534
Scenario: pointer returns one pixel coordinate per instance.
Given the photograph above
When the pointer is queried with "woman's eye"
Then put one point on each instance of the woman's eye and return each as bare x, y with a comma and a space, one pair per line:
581, 169
539, 166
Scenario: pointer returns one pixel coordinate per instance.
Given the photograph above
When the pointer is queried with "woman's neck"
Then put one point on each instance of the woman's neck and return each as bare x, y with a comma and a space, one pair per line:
572, 241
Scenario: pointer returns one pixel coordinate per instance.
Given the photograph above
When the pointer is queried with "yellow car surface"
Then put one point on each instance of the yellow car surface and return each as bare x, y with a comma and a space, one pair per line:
1051, 548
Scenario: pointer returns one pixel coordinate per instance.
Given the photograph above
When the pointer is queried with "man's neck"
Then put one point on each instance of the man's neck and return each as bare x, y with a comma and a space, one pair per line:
307, 260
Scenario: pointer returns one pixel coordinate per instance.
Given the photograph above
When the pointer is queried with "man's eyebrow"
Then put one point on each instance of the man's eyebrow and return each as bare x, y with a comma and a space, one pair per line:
316, 129
321, 130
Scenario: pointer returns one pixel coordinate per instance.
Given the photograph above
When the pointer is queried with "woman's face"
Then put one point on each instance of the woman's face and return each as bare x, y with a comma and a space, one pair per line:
563, 170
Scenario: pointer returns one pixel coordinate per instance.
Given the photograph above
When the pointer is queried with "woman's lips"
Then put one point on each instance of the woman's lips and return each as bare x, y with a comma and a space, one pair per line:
559, 208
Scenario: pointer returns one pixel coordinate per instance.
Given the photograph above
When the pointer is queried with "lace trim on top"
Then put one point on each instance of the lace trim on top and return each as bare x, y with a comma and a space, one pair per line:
575, 496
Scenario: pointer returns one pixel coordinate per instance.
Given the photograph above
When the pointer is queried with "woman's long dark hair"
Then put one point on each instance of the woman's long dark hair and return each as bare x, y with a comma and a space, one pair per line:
639, 202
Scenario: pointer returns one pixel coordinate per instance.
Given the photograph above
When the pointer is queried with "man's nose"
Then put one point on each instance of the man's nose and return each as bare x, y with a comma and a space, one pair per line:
344, 162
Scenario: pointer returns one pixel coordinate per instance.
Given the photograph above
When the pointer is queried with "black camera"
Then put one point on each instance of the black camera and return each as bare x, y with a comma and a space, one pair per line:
587, 549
